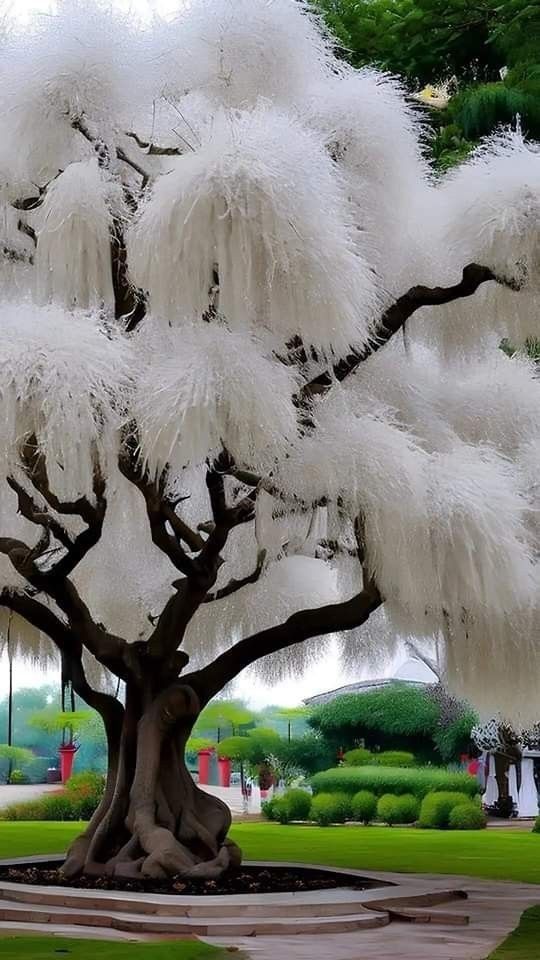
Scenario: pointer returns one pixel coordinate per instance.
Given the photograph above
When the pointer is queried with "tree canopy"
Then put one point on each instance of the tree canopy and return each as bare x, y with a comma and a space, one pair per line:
251, 389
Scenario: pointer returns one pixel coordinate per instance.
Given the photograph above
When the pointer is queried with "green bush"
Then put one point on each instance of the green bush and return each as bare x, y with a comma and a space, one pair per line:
297, 803
393, 758
268, 808
357, 757
280, 810
17, 777
77, 801
536, 827
379, 780
329, 808
467, 816
436, 809
397, 809
364, 806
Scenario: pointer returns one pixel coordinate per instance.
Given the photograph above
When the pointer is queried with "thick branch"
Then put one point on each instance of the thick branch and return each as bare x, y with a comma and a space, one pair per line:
395, 317
152, 149
335, 618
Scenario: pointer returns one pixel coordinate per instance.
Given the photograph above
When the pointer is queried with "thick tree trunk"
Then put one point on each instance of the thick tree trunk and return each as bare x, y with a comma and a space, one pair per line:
153, 820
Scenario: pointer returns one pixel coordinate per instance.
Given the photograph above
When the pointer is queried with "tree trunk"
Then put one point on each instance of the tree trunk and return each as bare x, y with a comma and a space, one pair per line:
153, 820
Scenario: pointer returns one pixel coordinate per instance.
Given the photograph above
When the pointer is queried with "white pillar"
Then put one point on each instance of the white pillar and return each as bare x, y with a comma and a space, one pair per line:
492, 791
528, 798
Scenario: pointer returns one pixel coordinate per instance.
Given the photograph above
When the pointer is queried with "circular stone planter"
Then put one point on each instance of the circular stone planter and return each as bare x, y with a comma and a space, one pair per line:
373, 903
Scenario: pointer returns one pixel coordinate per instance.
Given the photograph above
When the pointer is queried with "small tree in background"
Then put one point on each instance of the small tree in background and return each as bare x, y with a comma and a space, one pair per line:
251, 388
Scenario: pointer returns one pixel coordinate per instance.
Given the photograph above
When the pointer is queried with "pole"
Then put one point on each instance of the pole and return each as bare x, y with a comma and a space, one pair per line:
10, 697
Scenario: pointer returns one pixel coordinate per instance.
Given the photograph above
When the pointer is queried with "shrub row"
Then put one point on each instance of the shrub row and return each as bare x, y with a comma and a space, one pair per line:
397, 780
77, 801
388, 758
444, 810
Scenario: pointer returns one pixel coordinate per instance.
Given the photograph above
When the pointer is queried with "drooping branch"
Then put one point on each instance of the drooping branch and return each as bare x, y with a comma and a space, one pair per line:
152, 149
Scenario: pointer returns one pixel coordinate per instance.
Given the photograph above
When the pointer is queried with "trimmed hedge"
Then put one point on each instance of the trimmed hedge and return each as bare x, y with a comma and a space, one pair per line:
437, 807
393, 758
536, 827
364, 806
467, 816
329, 808
380, 780
357, 757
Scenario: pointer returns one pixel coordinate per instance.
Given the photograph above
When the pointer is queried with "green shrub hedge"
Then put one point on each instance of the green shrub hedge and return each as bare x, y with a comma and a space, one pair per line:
436, 809
77, 801
329, 808
536, 827
357, 757
397, 809
364, 806
380, 780
467, 816
393, 758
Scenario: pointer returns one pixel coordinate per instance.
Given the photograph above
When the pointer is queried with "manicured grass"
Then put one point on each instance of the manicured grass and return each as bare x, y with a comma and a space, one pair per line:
497, 854
523, 943
55, 948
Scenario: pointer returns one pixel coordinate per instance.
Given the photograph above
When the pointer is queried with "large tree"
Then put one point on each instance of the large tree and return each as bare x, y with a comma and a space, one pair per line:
250, 386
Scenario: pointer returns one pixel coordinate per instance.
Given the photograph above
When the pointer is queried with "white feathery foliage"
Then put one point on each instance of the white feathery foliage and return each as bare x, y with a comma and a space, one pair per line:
202, 387
73, 227
66, 378
260, 202
25, 642
235, 51
373, 645
375, 135
60, 67
287, 586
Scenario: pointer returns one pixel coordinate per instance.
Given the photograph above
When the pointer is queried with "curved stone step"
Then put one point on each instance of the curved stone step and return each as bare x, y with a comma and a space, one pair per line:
239, 926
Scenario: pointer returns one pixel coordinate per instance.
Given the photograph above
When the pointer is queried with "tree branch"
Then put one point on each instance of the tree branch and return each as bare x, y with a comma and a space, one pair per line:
152, 149
233, 586
395, 317
334, 618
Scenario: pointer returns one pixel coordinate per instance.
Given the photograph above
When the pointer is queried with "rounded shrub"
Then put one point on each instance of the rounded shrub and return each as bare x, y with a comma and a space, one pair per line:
17, 777
397, 809
536, 827
268, 807
329, 808
357, 757
364, 806
397, 780
408, 808
393, 758
297, 803
436, 809
467, 816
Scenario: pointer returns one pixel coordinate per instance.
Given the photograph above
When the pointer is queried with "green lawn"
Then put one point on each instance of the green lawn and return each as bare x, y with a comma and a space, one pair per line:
497, 854
523, 943
55, 948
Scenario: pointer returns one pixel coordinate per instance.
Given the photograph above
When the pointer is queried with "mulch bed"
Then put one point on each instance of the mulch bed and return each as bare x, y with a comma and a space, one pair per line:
249, 879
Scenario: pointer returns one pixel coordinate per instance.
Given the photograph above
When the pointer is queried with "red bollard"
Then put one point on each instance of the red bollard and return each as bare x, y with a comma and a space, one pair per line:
67, 756
204, 765
224, 767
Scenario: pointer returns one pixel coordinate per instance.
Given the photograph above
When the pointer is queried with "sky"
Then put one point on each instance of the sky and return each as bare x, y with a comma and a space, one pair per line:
325, 675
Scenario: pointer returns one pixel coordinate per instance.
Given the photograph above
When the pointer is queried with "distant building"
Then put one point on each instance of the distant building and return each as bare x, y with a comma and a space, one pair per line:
412, 672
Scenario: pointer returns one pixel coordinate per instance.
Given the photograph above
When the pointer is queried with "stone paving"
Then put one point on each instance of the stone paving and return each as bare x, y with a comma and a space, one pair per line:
493, 909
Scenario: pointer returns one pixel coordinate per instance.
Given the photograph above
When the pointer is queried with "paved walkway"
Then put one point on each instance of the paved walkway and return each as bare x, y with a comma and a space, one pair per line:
494, 910
11, 793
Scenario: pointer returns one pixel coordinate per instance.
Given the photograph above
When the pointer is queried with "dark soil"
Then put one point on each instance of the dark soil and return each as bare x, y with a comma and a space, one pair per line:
249, 879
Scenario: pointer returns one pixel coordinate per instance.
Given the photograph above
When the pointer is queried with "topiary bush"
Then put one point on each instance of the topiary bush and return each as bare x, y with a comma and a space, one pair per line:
536, 827
408, 808
329, 808
357, 757
436, 809
393, 758
17, 777
467, 816
268, 808
397, 780
364, 806
297, 803
397, 809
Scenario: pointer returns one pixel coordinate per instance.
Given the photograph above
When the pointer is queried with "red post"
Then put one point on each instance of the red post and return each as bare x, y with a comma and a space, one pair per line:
204, 765
224, 767
67, 756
